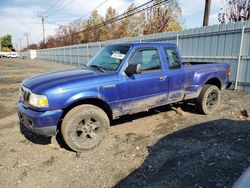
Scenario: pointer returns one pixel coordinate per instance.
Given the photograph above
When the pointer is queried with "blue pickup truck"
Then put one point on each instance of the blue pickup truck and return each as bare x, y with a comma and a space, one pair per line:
120, 79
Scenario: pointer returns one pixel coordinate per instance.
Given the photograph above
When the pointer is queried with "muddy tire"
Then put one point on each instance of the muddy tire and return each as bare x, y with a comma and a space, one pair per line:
84, 127
208, 100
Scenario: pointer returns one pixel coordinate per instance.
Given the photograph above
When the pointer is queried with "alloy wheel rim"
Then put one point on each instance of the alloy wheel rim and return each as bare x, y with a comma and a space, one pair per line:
212, 100
87, 129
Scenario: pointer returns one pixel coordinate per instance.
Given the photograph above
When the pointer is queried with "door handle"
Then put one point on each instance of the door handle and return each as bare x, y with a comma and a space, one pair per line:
162, 77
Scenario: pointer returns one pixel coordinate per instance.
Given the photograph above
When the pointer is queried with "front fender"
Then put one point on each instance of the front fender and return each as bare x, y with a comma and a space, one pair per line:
84, 95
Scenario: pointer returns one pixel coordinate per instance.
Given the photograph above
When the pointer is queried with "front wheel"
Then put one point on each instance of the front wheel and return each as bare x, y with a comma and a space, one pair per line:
84, 127
209, 99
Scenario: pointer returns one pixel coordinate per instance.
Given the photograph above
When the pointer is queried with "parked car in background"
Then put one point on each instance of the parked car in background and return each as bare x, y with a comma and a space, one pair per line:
3, 54
121, 79
12, 55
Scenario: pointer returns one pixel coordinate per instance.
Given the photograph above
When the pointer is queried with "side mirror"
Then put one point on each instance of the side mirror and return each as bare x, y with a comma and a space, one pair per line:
133, 69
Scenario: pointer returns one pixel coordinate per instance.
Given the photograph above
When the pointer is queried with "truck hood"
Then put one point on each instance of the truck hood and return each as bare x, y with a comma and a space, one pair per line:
62, 78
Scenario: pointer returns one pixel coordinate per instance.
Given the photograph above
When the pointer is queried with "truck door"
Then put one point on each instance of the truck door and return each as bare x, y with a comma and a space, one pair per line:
176, 74
147, 89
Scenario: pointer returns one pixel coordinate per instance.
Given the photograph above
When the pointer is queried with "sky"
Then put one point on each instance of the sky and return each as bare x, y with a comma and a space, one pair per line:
20, 16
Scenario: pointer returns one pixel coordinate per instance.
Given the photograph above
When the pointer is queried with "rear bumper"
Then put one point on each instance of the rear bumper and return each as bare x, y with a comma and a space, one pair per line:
42, 123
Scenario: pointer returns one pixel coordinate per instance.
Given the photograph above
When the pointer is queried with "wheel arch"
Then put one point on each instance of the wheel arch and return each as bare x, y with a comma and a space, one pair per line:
93, 101
214, 81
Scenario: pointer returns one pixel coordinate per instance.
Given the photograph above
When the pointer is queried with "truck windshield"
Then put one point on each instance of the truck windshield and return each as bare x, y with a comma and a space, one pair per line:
109, 58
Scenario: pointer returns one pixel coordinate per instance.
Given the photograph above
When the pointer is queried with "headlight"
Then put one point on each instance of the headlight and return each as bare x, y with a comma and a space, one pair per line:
39, 101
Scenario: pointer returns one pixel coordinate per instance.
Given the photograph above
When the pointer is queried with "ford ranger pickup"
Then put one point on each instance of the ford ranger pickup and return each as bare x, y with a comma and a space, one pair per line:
120, 79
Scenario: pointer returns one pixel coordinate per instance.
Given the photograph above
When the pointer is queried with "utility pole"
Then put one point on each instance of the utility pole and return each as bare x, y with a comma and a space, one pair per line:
16, 48
206, 12
20, 44
42, 17
27, 37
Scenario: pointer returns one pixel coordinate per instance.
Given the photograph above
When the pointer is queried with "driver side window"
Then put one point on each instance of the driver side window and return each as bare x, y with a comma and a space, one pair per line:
148, 58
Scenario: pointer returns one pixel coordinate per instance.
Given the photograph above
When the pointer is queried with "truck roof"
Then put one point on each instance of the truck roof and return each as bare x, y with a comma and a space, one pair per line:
144, 44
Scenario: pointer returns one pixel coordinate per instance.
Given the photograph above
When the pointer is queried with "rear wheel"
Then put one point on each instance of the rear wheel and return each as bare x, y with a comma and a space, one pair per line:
84, 127
209, 99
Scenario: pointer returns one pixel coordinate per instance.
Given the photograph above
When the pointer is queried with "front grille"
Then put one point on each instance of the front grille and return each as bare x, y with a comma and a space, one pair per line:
24, 95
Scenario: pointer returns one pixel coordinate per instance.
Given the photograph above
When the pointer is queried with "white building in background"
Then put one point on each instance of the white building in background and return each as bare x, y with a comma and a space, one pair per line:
29, 54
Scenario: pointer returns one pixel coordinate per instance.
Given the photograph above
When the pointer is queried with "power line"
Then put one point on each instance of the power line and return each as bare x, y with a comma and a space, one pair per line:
52, 23
126, 4
101, 4
129, 13
32, 24
98, 6
50, 7
53, 6
92, 10
48, 10
38, 37
53, 9
35, 29
122, 16
125, 15
56, 10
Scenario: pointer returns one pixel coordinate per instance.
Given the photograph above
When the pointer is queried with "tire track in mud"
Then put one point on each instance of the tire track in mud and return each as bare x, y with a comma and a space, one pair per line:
9, 119
9, 86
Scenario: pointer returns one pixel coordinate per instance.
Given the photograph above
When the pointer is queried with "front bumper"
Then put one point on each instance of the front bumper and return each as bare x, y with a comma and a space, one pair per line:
42, 123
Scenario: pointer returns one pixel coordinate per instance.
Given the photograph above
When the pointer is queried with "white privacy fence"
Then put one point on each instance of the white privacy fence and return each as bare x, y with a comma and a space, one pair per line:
218, 43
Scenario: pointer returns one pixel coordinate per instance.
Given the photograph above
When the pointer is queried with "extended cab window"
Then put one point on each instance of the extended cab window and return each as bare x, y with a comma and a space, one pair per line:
148, 58
172, 57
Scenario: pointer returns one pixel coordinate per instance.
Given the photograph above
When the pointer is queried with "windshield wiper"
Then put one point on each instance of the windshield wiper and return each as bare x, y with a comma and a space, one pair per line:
99, 68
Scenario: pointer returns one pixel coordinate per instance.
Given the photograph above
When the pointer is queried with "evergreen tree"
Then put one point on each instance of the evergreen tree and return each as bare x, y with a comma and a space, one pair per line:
6, 43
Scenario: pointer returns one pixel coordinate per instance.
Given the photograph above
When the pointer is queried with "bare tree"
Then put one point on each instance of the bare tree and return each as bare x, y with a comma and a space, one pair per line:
163, 17
89, 33
234, 10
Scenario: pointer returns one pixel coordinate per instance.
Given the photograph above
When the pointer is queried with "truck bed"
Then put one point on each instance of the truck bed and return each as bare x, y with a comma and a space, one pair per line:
194, 71
189, 63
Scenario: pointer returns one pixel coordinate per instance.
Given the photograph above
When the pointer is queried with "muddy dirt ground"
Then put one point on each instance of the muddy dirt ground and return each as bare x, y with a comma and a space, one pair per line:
171, 146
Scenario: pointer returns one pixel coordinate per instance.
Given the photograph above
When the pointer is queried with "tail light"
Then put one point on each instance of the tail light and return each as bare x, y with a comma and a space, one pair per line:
228, 72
